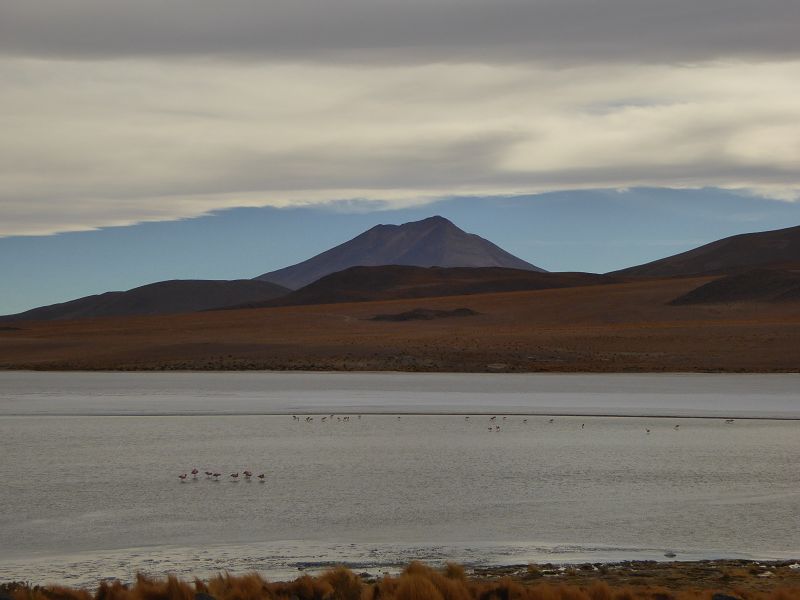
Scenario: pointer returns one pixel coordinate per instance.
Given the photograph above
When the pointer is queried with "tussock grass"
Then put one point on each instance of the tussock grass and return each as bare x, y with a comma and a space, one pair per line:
416, 582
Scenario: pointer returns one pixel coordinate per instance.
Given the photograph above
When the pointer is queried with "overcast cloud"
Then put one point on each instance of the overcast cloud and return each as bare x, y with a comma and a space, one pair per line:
117, 112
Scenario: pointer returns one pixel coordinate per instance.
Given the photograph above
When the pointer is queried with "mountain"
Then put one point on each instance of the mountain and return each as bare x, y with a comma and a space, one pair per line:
779, 248
432, 242
162, 298
392, 282
758, 285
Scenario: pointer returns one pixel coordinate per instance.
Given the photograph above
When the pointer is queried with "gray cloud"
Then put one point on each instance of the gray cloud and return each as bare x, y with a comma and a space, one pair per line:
88, 144
416, 31
118, 111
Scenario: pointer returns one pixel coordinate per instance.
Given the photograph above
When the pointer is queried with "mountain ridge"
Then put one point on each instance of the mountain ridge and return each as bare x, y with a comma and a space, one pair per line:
431, 242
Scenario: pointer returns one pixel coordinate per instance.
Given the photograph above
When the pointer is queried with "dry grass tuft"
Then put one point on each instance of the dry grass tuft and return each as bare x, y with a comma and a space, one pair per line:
416, 582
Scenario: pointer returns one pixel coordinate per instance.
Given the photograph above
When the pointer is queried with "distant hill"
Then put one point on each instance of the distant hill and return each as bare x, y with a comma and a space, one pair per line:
758, 285
361, 284
779, 248
432, 242
162, 298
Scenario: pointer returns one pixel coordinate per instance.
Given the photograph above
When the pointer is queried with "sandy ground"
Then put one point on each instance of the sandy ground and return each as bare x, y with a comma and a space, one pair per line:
729, 575
609, 328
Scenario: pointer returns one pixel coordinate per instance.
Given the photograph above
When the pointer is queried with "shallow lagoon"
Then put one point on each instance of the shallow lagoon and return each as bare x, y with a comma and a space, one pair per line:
91, 461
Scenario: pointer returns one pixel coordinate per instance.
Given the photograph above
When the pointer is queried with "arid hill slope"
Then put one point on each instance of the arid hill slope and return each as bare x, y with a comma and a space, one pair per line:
758, 285
162, 298
778, 249
394, 282
609, 328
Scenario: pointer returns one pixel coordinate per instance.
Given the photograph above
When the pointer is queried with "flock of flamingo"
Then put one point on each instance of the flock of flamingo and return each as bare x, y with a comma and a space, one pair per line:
493, 426
261, 477
248, 475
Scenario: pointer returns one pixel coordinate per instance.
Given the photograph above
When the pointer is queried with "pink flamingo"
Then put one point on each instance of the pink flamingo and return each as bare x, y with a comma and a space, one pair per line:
194, 473
247, 475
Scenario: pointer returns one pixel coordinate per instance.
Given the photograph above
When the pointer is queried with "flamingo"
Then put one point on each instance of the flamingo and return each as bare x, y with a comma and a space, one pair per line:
235, 476
216, 476
247, 475
194, 473
261, 477
209, 474
182, 477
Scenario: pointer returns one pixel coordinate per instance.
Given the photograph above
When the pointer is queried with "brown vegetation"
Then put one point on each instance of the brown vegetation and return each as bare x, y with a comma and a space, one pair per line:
419, 582
425, 314
603, 328
757, 285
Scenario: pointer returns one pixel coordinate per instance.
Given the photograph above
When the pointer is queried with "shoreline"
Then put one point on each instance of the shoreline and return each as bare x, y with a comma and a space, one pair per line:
738, 576
721, 416
419, 370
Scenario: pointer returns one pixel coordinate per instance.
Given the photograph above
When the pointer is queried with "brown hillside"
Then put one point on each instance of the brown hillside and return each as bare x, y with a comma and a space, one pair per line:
162, 298
758, 285
621, 327
367, 284
777, 249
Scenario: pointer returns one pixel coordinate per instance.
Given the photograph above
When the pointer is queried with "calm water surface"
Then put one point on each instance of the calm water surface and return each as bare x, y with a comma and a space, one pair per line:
90, 464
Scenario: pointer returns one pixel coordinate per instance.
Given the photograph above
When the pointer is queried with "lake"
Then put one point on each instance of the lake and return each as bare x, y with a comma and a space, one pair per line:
571, 468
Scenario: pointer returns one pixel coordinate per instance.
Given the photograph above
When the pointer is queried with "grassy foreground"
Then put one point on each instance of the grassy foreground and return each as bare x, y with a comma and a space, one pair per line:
675, 581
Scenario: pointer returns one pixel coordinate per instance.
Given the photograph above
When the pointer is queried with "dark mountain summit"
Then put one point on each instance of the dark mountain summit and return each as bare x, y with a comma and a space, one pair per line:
162, 298
776, 249
432, 242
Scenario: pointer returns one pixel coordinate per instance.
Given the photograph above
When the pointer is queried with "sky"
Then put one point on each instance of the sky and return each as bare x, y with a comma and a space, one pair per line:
121, 118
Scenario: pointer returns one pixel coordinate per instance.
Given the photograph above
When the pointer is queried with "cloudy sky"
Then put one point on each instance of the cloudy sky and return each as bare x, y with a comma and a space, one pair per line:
116, 112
